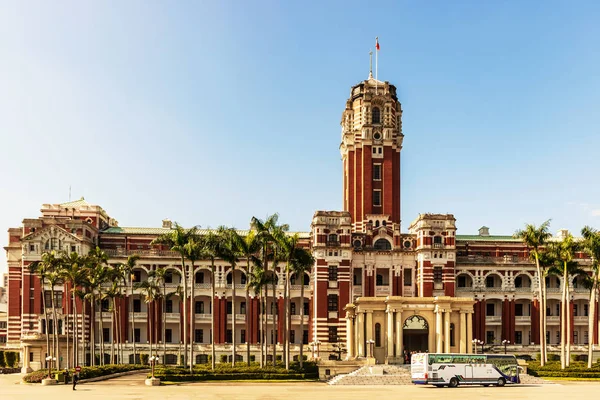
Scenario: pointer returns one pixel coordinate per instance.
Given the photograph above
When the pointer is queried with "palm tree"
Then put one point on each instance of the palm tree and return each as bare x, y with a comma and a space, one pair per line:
257, 281
151, 292
128, 268
160, 276
302, 261
535, 238
288, 245
42, 268
564, 252
265, 231
98, 274
194, 251
212, 246
230, 253
73, 273
248, 246
591, 244
54, 278
176, 239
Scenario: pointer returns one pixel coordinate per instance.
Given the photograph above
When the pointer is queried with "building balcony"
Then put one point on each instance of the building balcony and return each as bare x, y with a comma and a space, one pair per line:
524, 289
298, 318
382, 290
523, 319
142, 253
238, 317
408, 291
237, 286
357, 290
299, 287
203, 317
202, 286
140, 316
581, 320
493, 319
552, 319
476, 259
438, 246
333, 243
172, 317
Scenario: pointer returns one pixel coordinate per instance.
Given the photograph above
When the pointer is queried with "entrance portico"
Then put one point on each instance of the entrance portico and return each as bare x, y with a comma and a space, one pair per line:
384, 327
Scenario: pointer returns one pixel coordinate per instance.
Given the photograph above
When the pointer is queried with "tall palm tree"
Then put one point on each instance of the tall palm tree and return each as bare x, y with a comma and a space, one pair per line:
54, 279
176, 239
42, 268
230, 253
591, 244
151, 292
248, 246
160, 275
212, 245
128, 268
73, 273
257, 282
98, 274
194, 251
535, 238
288, 245
564, 252
302, 262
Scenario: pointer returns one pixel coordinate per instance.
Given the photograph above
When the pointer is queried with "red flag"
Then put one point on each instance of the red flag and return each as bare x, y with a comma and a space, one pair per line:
377, 43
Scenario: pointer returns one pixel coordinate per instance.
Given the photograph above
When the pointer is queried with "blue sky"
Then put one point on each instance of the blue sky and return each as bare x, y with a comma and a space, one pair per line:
211, 112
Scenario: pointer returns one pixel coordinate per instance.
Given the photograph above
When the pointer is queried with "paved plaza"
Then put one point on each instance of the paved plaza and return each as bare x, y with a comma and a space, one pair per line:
133, 388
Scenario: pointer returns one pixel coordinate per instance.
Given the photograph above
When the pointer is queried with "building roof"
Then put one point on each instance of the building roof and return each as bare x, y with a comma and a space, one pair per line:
118, 230
75, 203
490, 238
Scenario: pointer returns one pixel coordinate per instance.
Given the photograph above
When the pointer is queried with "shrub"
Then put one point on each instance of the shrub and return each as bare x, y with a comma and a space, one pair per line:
2, 362
553, 357
144, 358
86, 372
10, 370
11, 359
223, 358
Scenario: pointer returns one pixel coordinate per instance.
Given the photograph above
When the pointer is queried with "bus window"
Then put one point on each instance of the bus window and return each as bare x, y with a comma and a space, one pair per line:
477, 359
443, 359
464, 359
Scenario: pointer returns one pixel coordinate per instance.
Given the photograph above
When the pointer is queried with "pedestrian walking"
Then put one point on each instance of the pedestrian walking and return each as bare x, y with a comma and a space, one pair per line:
75, 379
66, 376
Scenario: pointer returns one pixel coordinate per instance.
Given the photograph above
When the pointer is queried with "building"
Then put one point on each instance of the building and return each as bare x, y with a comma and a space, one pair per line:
373, 288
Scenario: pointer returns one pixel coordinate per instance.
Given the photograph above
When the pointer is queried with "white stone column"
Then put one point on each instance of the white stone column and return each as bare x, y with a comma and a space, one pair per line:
350, 337
360, 326
463, 333
438, 330
390, 334
369, 325
469, 316
399, 338
447, 331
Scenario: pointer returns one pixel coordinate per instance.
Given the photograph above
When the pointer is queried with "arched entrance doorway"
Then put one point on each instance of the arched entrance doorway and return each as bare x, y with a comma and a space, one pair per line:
415, 333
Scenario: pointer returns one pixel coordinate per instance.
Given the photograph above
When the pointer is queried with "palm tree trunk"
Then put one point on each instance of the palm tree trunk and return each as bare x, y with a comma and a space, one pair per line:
274, 312
563, 324
592, 313
132, 319
212, 314
83, 330
185, 324
302, 321
544, 320
65, 286
46, 318
54, 334
101, 331
163, 324
75, 352
151, 319
542, 312
261, 310
248, 335
568, 355
233, 315
286, 315
192, 317
112, 333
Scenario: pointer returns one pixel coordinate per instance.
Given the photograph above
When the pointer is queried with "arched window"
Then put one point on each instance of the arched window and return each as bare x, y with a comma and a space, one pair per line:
376, 115
382, 244
377, 224
383, 223
306, 280
200, 277
378, 335
243, 279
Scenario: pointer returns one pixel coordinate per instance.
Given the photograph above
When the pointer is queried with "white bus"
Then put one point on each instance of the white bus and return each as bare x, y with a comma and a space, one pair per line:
464, 369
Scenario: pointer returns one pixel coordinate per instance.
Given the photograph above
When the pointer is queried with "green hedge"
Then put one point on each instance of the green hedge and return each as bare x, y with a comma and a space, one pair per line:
235, 376
11, 359
86, 372
577, 369
2, 362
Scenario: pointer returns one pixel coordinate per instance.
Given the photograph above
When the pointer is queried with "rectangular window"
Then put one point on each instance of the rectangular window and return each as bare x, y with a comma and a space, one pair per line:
489, 310
519, 310
199, 336
106, 335
332, 302
489, 337
228, 308
377, 198
169, 306
168, 336
333, 336
229, 337
30, 356
489, 282
305, 337
136, 335
585, 337
357, 278
376, 172
575, 310
437, 277
518, 337
200, 277
293, 308
292, 337
585, 310
408, 277
137, 305
243, 308
333, 273
575, 337
199, 307
243, 336
73, 249
306, 308
32, 247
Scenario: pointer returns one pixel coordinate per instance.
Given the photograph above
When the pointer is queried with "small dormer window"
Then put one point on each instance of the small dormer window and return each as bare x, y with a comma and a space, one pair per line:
376, 115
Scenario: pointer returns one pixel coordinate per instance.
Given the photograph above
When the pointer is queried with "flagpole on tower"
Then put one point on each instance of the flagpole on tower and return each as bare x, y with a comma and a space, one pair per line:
370, 64
376, 57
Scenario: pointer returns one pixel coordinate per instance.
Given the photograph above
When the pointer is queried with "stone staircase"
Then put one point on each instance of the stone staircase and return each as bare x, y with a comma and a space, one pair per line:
375, 375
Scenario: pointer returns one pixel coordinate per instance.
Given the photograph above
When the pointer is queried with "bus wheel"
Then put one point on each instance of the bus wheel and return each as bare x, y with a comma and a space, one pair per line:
501, 382
453, 383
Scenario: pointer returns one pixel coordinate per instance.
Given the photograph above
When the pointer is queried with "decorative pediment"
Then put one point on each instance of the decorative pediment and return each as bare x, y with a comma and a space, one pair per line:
51, 232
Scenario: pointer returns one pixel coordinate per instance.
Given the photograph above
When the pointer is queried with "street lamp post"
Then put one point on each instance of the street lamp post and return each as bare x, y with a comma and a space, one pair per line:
475, 343
153, 360
49, 359
505, 342
153, 381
